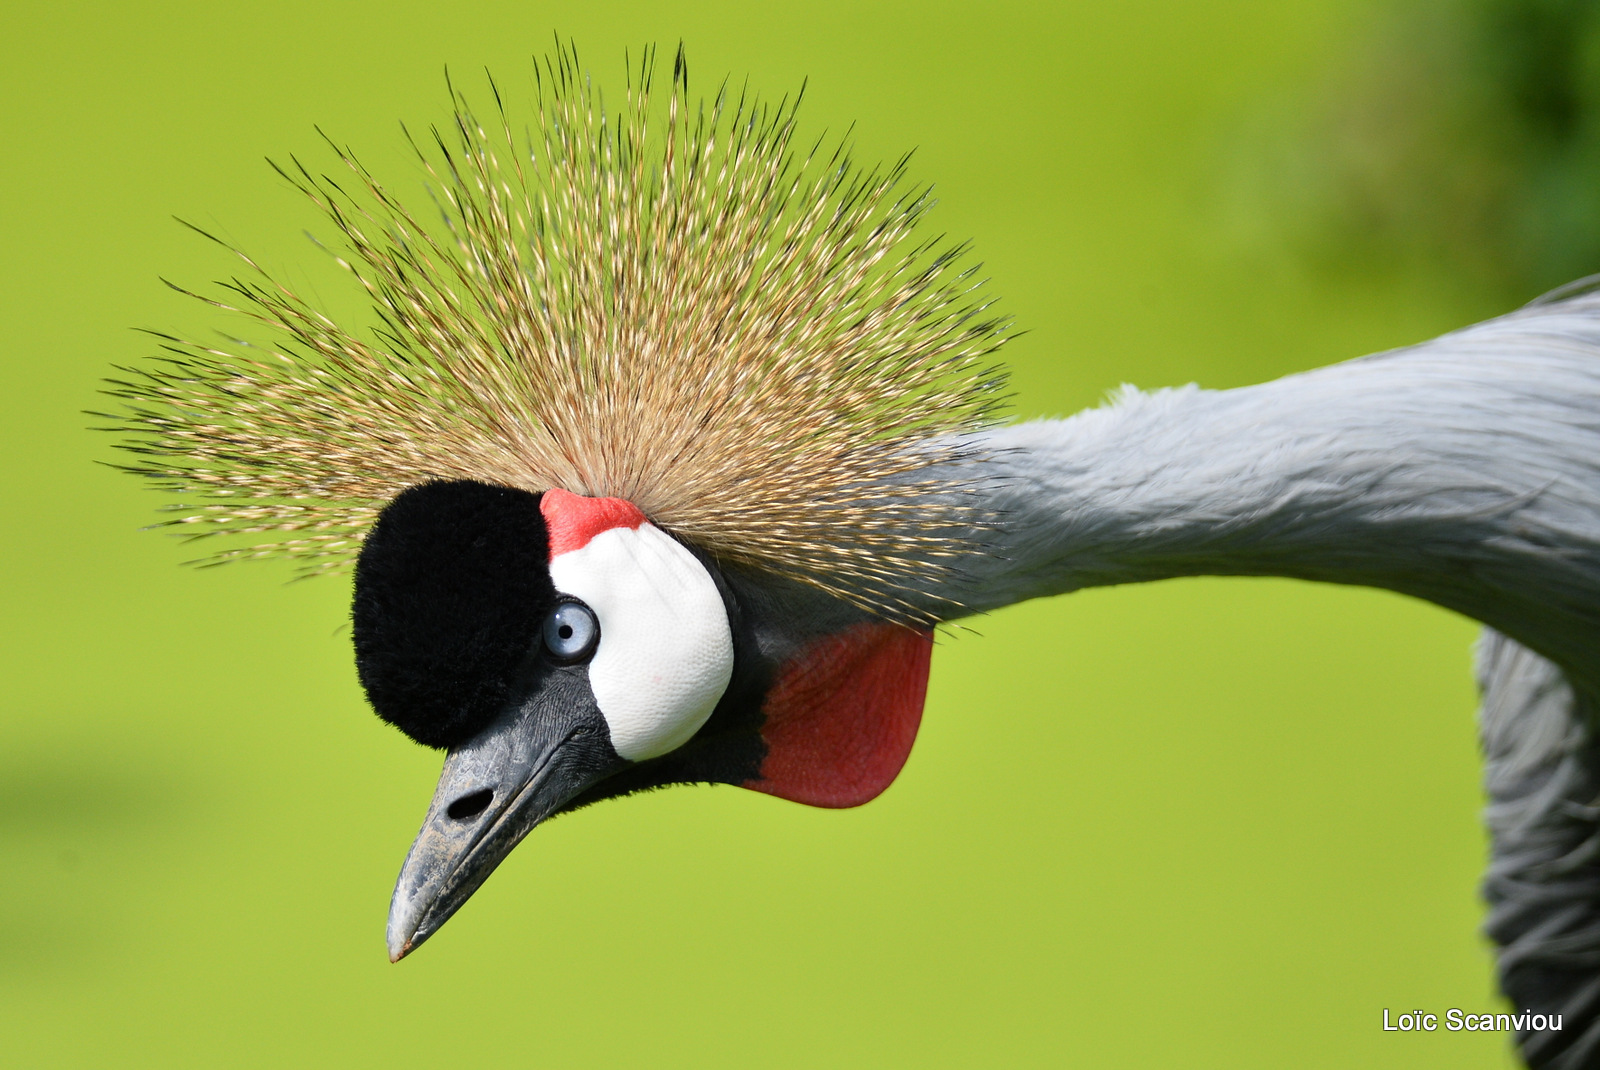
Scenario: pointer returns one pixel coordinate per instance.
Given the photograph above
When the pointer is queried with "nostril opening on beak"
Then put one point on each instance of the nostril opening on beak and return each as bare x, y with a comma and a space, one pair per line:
470, 805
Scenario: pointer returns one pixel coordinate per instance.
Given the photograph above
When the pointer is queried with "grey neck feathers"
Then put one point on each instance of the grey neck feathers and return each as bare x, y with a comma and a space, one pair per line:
1465, 471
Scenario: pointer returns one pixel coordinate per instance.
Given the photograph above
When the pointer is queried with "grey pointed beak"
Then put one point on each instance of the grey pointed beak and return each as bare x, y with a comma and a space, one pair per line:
493, 791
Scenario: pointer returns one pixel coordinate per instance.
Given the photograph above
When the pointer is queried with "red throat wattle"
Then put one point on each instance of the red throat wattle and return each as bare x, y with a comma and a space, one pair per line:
842, 715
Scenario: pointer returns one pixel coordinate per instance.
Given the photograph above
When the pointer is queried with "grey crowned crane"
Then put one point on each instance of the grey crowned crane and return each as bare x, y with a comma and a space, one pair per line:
673, 441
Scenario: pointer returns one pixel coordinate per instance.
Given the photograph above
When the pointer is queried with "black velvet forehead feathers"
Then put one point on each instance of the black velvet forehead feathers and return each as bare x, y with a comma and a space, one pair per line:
451, 588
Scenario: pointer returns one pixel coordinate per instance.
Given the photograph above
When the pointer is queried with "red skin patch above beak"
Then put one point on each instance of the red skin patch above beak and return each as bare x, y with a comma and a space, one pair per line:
842, 715
573, 520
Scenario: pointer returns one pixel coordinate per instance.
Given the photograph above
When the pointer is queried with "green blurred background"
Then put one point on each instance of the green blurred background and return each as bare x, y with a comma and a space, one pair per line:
1200, 824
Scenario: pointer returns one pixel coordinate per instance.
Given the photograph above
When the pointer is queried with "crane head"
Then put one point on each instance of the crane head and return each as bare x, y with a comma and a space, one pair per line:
563, 650
653, 460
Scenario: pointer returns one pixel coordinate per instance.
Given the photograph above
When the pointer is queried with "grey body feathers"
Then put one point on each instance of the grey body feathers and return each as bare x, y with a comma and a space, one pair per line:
1465, 471
1542, 774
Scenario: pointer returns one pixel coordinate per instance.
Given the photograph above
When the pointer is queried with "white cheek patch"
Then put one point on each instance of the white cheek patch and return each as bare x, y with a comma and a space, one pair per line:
666, 652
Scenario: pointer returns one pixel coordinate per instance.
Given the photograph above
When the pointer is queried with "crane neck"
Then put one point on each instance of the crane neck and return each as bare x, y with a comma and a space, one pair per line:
1465, 471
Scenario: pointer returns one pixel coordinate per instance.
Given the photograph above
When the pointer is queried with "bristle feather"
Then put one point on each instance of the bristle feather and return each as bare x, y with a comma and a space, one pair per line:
746, 341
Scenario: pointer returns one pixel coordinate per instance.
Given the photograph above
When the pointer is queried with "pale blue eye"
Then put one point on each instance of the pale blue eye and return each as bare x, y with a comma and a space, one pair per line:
571, 631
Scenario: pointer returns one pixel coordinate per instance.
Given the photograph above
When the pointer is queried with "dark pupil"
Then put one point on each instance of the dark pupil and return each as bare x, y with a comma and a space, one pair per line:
565, 631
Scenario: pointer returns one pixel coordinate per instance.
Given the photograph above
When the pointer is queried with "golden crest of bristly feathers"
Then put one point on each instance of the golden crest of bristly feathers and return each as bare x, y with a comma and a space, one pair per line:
685, 310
